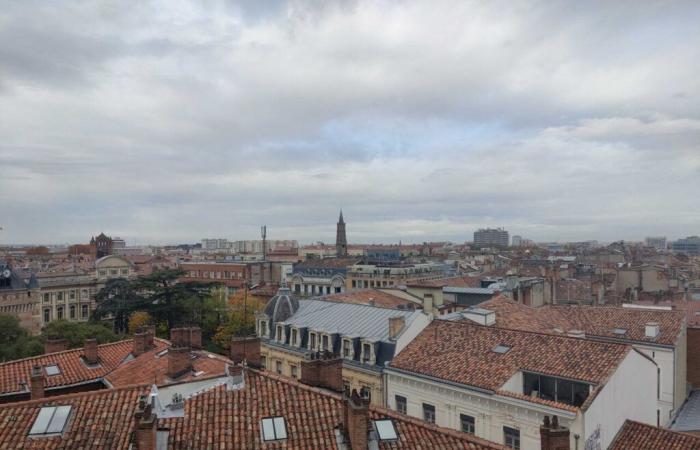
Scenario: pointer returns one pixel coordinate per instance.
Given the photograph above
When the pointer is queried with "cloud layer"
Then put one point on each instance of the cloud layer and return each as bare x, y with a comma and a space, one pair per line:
170, 121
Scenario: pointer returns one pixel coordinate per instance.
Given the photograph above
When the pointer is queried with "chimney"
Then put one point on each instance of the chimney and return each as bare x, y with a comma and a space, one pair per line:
235, 371
195, 337
36, 382
180, 337
428, 303
53, 345
552, 436
90, 349
151, 334
145, 434
246, 349
396, 325
139, 343
179, 361
324, 370
356, 421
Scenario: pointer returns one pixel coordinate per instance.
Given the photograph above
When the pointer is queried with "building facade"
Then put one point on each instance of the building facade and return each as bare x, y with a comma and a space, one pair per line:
320, 276
486, 237
363, 276
19, 297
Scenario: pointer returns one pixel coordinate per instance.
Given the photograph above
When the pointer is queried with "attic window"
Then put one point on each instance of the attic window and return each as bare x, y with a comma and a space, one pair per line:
52, 370
500, 348
51, 420
385, 430
274, 429
619, 331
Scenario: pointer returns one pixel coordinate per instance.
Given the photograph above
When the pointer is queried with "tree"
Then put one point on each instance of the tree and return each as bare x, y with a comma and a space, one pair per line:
77, 332
240, 320
138, 319
15, 341
118, 300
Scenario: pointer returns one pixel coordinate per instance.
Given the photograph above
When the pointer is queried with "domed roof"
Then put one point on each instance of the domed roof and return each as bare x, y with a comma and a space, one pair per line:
283, 305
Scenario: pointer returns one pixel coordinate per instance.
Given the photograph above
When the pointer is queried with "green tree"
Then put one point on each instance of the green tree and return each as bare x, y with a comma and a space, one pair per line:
15, 341
77, 332
118, 300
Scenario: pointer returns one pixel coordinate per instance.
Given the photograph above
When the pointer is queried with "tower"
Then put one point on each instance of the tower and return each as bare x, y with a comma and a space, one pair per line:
341, 242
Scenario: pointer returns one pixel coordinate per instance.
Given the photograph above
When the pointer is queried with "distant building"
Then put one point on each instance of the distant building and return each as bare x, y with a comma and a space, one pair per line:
486, 237
689, 245
320, 276
19, 297
215, 244
382, 253
118, 242
657, 242
363, 276
517, 240
341, 241
102, 245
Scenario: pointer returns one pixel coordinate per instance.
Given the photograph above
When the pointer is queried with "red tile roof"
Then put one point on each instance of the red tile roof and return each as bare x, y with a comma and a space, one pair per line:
151, 368
593, 320
639, 436
462, 352
231, 419
100, 420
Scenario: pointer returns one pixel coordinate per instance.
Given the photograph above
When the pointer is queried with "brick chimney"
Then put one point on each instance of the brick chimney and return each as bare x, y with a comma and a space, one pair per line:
180, 337
145, 426
323, 369
90, 349
179, 361
396, 325
139, 343
248, 349
150, 336
55, 345
356, 421
36, 383
552, 436
195, 337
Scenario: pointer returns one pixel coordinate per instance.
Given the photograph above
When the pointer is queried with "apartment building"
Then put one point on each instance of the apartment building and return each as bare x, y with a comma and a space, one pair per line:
363, 275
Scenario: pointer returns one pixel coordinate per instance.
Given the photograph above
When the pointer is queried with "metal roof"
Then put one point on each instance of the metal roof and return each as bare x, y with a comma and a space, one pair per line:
467, 290
370, 322
688, 418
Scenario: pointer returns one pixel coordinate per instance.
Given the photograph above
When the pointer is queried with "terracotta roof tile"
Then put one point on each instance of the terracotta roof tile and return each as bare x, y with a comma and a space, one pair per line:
381, 298
463, 352
593, 320
639, 436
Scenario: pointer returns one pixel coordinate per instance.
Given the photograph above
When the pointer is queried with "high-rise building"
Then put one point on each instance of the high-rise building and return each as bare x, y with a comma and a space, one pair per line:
658, 242
341, 242
689, 245
485, 237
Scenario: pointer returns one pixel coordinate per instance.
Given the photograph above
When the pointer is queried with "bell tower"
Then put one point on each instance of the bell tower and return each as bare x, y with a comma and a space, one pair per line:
341, 242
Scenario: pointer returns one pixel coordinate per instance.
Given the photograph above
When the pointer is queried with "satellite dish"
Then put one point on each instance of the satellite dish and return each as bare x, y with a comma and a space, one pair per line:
6, 273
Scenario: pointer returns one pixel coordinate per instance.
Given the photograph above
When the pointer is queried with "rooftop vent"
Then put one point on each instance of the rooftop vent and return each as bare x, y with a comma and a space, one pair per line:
651, 330
619, 331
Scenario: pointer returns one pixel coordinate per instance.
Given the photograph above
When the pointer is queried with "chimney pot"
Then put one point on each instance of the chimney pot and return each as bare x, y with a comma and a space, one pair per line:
356, 421
552, 436
145, 434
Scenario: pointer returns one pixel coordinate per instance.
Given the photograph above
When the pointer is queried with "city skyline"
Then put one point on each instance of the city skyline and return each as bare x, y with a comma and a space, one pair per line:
166, 122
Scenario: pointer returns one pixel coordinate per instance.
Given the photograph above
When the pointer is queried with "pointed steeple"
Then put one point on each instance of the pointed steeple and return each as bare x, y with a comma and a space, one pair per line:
340, 219
341, 243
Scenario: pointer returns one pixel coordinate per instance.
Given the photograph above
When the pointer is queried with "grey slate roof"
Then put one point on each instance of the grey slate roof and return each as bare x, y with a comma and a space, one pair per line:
369, 322
688, 418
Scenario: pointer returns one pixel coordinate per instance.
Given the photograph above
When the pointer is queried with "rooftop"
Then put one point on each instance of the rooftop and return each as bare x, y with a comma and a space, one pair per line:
639, 436
379, 297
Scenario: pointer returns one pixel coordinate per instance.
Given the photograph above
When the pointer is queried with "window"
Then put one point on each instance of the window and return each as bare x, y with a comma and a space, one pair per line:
324, 341
59, 312
125, 271
511, 437
47, 297
428, 413
84, 311
346, 348
619, 331
263, 328
366, 353
385, 430
366, 392
294, 372
72, 311
60, 296
467, 423
312, 341
52, 369
51, 420
500, 348
274, 429
263, 362
278, 367
47, 314
658, 383
295, 336
71, 295
346, 386
555, 389
102, 272
113, 272
280, 333
401, 403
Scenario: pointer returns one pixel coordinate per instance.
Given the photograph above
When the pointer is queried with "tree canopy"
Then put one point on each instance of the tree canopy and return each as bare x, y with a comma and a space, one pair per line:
15, 341
77, 332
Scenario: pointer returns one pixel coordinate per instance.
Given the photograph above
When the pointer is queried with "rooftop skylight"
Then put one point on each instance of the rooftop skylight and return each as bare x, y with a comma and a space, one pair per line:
274, 429
385, 430
52, 369
500, 348
51, 420
619, 331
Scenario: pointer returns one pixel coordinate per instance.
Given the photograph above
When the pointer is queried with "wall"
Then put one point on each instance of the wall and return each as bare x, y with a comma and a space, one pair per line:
666, 362
411, 331
630, 393
490, 412
693, 356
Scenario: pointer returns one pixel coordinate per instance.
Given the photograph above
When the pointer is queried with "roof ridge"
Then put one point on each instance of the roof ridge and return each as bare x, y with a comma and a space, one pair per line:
73, 395
293, 382
540, 333
14, 361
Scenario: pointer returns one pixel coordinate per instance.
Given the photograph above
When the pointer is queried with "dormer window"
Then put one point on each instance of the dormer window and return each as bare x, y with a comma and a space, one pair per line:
367, 353
263, 328
312, 341
347, 349
280, 333
325, 342
294, 340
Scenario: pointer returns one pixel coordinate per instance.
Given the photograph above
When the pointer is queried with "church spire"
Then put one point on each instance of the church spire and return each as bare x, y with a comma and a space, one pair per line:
341, 243
340, 219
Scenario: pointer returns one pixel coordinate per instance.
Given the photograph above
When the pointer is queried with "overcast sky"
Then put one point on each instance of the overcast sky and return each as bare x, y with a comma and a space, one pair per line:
171, 121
